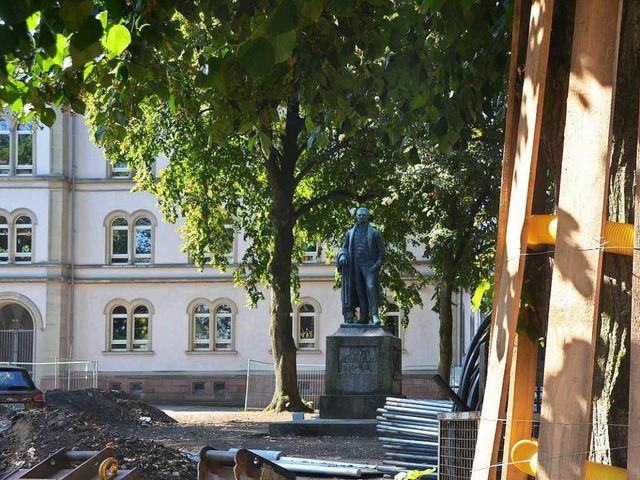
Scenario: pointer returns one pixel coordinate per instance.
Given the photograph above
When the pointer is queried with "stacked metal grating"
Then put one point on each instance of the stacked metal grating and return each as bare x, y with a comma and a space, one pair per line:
408, 430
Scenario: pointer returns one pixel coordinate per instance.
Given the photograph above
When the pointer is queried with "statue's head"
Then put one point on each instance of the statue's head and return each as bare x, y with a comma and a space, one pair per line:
363, 215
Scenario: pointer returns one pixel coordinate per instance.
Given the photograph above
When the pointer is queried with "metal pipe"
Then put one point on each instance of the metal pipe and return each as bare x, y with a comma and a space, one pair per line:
408, 449
440, 407
413, 411
409, 425
408, 431
443, 403
411, 456
401, 441
322, 470
393, 416
413, 465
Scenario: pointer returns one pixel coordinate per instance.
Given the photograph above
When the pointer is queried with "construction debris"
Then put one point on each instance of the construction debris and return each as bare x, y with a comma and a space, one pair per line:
68, 464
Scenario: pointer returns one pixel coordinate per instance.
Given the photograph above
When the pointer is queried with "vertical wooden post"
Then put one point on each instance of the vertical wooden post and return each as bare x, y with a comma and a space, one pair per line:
521, 399
520, 31
573, 312
633, 440
509, 285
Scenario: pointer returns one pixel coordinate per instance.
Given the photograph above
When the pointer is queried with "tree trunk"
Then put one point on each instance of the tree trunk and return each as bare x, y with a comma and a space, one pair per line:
280, 168
611, 377
286, 396
445, 311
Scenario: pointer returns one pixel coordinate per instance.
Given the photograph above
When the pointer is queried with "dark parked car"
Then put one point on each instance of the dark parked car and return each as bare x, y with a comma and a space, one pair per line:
17, 390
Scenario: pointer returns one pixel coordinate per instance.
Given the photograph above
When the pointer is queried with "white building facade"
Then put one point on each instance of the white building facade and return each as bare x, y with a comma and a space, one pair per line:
90, 271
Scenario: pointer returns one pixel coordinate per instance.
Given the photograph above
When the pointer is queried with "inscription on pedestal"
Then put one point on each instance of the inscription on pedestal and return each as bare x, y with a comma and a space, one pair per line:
358, 359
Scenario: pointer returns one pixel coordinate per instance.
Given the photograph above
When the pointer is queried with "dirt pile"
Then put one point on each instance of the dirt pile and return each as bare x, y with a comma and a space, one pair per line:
91, 420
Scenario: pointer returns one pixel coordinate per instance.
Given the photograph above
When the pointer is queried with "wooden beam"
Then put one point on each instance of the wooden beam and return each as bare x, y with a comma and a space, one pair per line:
509, 285
575, 288
520, 29
521, 398
633, 440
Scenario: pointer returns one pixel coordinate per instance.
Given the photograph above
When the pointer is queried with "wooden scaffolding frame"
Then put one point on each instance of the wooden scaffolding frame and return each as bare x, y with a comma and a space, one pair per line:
570, 343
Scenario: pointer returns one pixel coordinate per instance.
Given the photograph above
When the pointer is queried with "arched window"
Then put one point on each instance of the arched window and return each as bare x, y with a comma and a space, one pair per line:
212, 326
119, 241
307, 327
16, 147
130, 238
129, 328
16, 237
23, 239
4, 239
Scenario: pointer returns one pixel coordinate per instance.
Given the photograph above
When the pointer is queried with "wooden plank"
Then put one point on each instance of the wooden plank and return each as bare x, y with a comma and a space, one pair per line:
521, 398
508, 289
573, 312
520, 29
633, 441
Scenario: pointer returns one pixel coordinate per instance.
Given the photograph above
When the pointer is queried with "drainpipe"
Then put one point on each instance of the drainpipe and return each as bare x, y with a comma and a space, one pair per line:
72, 246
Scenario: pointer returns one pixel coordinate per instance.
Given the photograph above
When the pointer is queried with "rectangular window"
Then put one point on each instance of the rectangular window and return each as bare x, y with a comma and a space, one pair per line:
310, 254
140, 331
307, 332
142, 232
4, 240
120, 169
115, 386
120, 243
5, 159
23, 244
198, 388
219, 388
25, 150
202, 332
119, 332
136, 389
143, 245
223, 333
230, 255
223, 328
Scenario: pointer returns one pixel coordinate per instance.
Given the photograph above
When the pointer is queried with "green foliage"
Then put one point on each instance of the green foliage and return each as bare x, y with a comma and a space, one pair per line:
454, 200
482, 297
278, 117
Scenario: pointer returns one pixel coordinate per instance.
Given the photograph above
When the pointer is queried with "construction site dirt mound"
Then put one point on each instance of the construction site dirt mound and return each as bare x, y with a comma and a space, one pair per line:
146, 438
108, 406
90, 421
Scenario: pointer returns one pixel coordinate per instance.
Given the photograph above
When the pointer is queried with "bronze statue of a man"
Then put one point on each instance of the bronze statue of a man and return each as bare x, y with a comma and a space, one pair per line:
359, 262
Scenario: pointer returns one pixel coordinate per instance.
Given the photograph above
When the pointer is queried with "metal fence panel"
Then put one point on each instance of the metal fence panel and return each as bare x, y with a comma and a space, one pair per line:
62, 374
417, 382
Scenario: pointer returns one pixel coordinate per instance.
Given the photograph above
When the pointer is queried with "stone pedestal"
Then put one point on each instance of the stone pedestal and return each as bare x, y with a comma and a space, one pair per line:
363, 368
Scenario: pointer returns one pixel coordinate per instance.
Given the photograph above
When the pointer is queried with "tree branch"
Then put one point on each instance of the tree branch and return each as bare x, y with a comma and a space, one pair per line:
314, 202
319, 159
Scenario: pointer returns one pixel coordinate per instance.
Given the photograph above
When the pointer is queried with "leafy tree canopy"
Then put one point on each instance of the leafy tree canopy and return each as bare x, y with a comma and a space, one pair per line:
277, 116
